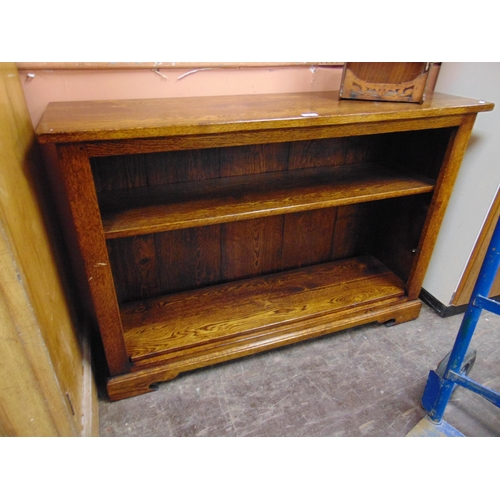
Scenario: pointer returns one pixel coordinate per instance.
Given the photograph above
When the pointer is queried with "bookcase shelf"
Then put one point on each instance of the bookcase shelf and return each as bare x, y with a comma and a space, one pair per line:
145, 210
166, 326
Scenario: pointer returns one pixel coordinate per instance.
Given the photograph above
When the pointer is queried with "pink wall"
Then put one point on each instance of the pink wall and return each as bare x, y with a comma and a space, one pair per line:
95, 84
46, 82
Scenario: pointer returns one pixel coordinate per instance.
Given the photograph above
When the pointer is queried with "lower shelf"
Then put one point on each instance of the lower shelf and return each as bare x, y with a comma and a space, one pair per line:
181, 332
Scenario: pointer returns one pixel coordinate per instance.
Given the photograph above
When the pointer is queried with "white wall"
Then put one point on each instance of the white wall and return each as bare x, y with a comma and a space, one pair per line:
478, 179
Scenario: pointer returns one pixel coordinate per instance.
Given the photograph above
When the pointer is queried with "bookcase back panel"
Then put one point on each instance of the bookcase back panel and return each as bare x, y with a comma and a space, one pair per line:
156, 264
154, 169
422, 151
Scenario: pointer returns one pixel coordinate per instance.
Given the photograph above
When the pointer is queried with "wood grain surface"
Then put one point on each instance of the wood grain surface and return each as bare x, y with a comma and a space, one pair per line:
208, 315
140, 118
214, 228
183, 205
43, 367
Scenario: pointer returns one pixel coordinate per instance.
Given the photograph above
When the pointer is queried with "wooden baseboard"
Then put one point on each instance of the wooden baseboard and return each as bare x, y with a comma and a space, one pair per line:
439, 307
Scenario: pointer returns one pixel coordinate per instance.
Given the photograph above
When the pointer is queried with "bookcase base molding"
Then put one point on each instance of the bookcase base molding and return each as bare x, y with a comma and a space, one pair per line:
207, 229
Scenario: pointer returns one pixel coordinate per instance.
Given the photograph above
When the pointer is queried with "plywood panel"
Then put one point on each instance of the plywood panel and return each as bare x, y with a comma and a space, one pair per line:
46, 365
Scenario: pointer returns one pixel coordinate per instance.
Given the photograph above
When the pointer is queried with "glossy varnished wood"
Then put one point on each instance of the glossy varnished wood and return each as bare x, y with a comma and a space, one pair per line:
141, 118
447, 176
145, 377
162, 263
214, 228
210, 315
183, 205
88, 235
108, 148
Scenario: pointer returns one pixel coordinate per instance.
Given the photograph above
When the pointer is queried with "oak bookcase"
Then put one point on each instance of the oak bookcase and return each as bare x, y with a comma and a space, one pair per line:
209, 228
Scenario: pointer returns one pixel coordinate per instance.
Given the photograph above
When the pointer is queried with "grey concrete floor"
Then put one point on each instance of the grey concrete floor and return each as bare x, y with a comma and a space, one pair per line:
366, 381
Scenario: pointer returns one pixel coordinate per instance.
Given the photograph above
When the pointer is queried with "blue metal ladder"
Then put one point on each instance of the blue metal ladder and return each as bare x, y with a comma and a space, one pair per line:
442, 382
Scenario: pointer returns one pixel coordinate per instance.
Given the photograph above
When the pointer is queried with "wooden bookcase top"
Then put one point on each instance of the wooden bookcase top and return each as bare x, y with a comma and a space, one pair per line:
83, 121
